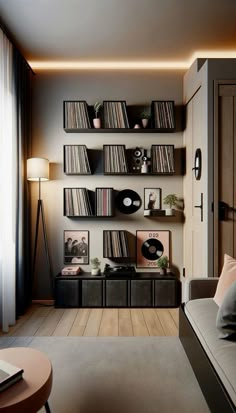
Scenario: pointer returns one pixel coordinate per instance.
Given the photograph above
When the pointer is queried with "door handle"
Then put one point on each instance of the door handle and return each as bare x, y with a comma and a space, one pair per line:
200, 206
223, 209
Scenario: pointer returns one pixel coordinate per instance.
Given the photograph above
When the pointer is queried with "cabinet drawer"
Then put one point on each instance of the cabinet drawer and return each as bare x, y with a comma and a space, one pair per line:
92, 293
116, 293
166, 293
141, 293
66, 293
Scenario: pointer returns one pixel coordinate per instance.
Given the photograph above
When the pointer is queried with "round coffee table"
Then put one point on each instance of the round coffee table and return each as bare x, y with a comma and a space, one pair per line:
29, 394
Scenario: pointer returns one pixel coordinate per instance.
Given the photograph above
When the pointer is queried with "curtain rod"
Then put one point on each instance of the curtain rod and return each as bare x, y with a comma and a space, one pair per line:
14, 43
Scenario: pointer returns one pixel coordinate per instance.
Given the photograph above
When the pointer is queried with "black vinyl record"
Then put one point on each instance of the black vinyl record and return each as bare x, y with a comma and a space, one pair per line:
128, 201
152, 249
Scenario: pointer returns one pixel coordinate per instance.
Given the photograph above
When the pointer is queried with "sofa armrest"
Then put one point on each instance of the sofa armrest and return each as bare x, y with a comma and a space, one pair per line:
200, 288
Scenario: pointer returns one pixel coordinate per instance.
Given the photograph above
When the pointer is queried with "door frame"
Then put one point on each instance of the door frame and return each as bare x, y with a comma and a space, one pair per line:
217, 84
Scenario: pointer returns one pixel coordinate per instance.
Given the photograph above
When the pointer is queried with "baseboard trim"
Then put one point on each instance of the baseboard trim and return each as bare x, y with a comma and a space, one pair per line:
43, 302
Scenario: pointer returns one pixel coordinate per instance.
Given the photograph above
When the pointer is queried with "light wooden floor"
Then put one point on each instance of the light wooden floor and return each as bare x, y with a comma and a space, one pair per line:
50, 321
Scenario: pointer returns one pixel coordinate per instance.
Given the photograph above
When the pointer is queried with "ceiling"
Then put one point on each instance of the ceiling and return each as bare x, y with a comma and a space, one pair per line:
120, 30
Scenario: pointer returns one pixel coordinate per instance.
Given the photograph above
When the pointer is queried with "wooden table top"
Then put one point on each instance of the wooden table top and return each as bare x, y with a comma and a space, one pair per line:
31, 393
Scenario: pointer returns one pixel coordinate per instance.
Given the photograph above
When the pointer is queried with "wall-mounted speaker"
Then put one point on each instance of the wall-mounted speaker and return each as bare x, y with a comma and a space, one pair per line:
136, 159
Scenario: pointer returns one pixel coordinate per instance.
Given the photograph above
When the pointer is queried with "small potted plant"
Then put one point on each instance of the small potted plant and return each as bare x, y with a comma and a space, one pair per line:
162, 263
145, 116
97, 121
95, 266
170, 200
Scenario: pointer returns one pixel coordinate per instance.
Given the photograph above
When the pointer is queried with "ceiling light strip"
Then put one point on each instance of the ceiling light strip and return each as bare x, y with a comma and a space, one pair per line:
57, 65
130, 65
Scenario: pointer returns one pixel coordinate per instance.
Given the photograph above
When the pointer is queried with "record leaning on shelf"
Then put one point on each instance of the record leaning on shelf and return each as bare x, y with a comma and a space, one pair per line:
128, 201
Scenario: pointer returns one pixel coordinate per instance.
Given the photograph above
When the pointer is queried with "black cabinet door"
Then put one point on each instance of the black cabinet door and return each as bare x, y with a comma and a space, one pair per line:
166, 293
92, 293
116, 293
66, 293
141, 293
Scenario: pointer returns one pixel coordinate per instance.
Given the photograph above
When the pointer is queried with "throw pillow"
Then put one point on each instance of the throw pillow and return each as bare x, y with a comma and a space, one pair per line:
226, 316
227, 277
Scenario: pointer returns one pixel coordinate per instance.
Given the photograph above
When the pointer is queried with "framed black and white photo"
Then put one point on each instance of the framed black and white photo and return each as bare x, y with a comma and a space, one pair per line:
152, 198
76, 247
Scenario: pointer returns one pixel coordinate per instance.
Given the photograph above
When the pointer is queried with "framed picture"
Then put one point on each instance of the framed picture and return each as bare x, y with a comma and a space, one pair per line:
151, 245
76, 247
152, 198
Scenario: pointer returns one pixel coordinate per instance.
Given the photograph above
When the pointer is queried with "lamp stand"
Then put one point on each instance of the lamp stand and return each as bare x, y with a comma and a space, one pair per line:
40, 212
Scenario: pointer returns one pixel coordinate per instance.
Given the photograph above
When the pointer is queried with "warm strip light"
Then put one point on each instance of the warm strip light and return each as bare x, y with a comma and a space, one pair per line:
76, 65
130, 65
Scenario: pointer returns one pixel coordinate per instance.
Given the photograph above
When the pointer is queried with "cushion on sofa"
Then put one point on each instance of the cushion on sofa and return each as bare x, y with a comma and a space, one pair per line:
226, 315
227, 277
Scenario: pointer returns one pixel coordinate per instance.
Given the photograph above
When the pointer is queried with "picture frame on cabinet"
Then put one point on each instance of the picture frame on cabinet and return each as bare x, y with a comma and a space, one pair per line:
76, 247
150, 246
152, 198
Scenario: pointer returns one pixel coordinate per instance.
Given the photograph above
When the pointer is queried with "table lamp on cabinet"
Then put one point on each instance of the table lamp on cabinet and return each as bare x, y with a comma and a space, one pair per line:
38, 170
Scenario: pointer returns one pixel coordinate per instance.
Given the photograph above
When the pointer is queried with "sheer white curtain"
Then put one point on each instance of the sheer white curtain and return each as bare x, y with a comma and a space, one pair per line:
8, 206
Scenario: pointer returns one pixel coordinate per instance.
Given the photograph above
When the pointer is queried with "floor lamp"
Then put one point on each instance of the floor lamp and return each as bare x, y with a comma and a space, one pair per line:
38, 170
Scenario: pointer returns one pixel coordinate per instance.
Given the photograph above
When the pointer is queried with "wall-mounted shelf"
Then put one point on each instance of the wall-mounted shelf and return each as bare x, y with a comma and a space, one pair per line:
117, 117
119, 130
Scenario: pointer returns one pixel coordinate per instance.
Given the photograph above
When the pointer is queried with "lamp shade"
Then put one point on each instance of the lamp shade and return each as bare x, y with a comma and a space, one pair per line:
37, 168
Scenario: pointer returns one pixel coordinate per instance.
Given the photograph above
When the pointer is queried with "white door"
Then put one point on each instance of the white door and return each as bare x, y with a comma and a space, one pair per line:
195, 227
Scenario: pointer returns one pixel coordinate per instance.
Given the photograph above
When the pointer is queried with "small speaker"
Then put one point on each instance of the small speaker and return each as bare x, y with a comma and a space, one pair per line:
136, 159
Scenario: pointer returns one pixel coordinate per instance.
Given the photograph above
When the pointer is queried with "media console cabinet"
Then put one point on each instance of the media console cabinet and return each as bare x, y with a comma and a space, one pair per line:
138, 290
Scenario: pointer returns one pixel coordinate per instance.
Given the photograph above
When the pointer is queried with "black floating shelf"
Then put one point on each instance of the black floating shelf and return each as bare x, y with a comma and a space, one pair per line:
89, 216
118, 130
140, 174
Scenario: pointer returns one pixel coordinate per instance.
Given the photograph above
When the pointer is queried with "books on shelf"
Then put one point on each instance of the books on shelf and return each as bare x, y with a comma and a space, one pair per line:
76, 115
77, 202
115, 244
75, 270
9, 374
162, 157
163, 114
115, 159
115, 114
104, 202
76, 160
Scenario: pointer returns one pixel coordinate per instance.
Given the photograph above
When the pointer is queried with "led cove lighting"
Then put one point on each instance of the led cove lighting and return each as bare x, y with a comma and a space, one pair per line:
81, 65
130, 65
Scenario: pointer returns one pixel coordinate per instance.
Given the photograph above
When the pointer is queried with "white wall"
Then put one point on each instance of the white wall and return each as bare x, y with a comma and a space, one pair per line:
50, 89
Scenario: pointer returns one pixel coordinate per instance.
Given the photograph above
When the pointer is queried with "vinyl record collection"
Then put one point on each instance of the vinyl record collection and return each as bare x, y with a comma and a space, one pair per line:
104, 202
115, 115
115, 159
76, 160
162, 158
115, 244
77, 202
76, 115
163, 113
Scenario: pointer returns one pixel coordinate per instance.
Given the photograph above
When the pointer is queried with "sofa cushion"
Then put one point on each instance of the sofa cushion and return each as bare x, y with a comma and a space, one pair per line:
222, 354
227, 277
226, 316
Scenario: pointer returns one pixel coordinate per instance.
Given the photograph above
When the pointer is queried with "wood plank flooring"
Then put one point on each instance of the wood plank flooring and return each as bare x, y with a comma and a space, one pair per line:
103, 322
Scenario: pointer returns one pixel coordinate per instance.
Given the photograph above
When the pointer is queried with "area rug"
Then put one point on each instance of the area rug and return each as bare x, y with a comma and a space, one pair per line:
118, 375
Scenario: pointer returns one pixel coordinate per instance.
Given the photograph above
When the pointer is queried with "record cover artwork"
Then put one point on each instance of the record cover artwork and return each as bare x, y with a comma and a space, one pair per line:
151, 245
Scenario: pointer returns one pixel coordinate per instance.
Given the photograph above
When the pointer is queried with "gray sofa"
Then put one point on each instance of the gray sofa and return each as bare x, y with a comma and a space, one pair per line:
213, 360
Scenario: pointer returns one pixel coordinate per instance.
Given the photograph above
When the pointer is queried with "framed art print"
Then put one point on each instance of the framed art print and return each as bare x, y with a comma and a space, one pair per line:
76, 247
151, 245
152, 198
